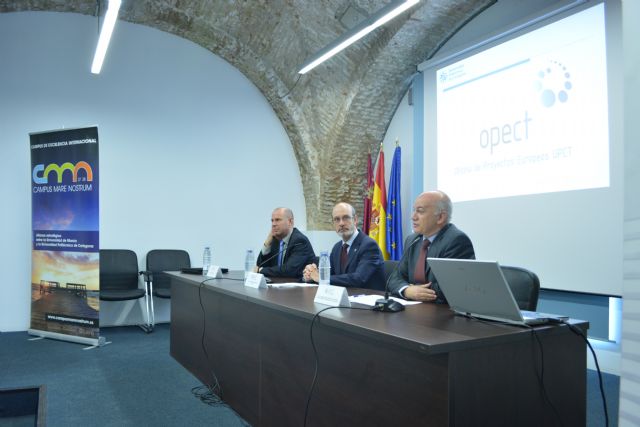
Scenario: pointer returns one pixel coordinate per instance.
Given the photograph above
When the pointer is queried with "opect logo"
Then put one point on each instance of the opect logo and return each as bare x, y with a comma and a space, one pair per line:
553, 84
40, 174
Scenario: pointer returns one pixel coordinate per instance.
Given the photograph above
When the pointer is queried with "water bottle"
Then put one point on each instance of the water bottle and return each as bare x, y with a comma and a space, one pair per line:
249, 262
206, 260
324, 268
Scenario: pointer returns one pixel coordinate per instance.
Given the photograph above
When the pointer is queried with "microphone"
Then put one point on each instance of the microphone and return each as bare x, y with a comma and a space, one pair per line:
387, 304
286, 248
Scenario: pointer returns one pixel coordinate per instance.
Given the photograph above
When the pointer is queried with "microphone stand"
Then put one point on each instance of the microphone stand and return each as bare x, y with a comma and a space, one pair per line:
386, 304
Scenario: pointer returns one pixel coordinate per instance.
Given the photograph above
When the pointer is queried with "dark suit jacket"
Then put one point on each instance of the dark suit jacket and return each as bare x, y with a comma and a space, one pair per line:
450, 242
299, 253
365, 267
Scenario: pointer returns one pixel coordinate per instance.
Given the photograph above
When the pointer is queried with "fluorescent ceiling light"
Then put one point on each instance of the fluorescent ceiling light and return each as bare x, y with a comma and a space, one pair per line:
105, 35
381, 17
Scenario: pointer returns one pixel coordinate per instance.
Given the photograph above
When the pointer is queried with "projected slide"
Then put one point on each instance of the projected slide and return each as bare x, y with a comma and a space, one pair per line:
528, 116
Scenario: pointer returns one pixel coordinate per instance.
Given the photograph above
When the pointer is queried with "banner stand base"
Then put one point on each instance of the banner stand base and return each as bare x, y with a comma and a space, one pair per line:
102, 341
93, 342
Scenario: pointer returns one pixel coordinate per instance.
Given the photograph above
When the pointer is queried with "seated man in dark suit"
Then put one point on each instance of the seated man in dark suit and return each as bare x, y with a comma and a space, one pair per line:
434, 236
286, 250
356, 260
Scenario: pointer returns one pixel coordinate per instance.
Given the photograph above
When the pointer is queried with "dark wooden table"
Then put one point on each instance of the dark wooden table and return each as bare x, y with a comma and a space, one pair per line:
422, 366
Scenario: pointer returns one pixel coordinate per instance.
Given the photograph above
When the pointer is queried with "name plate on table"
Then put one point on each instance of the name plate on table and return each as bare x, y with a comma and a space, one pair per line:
332, 295
214, 271
255, 280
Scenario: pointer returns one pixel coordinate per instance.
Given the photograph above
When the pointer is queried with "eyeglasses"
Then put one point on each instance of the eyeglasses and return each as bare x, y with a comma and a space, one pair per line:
346, 218
423, 209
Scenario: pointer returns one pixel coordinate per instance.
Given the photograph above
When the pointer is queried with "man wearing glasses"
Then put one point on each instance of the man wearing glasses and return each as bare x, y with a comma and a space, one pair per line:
356, 260
434, 236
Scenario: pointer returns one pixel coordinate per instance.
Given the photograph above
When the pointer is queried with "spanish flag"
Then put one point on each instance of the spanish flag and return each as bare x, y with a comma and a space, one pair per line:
378, 226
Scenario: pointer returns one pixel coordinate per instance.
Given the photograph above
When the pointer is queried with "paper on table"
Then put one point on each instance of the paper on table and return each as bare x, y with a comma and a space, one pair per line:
291, 285
370, 300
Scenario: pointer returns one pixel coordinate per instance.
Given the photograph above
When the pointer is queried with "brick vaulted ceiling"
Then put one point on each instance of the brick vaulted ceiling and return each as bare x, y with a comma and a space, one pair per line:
336, 113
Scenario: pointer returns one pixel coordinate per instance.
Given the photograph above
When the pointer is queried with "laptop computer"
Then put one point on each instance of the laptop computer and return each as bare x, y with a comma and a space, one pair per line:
478, 289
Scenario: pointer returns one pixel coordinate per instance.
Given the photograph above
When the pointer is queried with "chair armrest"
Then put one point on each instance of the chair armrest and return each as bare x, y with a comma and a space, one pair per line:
148, 275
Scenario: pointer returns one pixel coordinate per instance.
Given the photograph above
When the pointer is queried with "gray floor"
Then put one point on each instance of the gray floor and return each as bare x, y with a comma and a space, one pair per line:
135, 382
131, 382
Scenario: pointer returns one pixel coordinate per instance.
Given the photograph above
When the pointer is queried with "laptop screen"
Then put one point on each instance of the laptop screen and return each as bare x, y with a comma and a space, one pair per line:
477, 288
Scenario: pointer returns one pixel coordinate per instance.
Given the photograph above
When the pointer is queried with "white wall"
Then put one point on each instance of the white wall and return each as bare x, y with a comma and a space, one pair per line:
629, 414
490, 22
187, 145
401, 129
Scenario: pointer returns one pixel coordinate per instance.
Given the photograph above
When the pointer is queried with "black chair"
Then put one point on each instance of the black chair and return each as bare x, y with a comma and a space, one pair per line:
119, 279
389, 266
158, 283
525, 286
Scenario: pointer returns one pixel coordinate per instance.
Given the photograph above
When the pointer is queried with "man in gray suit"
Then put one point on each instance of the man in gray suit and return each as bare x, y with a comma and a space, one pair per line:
434, 236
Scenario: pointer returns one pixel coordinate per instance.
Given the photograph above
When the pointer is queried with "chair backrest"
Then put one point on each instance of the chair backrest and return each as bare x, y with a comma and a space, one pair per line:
389, 266
525, 286
159, 260
118, 269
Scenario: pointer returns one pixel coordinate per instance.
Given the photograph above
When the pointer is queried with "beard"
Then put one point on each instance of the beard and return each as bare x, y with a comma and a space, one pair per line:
346, 234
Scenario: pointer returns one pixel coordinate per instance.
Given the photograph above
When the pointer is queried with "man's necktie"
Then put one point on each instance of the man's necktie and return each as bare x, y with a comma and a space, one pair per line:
421, 265
281, 253
344, 258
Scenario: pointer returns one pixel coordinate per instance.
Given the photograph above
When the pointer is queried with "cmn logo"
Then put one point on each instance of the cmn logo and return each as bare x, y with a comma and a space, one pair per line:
41, 174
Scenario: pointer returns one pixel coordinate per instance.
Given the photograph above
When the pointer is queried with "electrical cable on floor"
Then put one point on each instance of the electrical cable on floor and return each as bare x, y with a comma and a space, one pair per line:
209, 394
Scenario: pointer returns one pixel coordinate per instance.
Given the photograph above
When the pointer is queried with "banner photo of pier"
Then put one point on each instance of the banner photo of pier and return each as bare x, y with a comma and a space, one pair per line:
65, 293
65, 272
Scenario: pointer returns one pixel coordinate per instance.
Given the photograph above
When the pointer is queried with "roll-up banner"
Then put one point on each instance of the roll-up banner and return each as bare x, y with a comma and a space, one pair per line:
65, 267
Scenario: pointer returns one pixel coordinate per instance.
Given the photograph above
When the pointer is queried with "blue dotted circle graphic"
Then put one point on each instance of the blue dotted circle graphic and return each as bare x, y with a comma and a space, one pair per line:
553, 84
